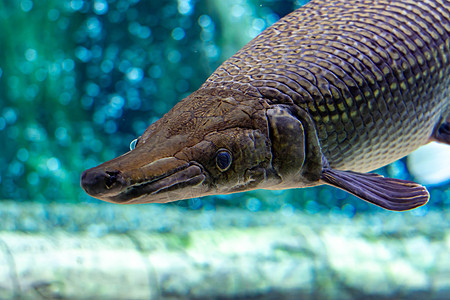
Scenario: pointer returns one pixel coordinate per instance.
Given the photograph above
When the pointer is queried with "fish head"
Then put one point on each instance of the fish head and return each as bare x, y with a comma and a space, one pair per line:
207, 144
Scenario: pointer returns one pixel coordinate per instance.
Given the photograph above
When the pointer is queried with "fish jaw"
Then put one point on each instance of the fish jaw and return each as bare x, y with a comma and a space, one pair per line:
163, 180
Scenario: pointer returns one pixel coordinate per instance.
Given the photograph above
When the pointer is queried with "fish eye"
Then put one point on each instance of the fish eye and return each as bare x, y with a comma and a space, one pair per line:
133, 144
223, 160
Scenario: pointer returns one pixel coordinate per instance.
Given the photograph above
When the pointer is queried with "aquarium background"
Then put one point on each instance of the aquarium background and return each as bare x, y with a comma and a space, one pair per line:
79, 80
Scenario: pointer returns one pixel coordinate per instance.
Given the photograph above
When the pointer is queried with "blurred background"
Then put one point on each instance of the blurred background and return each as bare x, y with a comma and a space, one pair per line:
79, 80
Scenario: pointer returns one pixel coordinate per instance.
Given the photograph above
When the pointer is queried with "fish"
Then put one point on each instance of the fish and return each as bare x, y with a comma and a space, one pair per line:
329, 93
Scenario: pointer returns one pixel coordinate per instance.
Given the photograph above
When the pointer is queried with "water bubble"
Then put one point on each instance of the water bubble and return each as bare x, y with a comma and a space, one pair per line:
205, 21
83, 54
53, 164
184, 7
54, 69
117, 102
61, 133
16, 168
212, 51
26, 5
145, 32
138, 30
94, 27
237, 11
22, 154
134, 28
195, 203
135, 74
312, 207
107, 66
259, 24
133, 144
68, 65
288, 210
10, 115
35, 133
178, 34
76, 4
92, 89
253, 204
100, 7
31, 54
349, 210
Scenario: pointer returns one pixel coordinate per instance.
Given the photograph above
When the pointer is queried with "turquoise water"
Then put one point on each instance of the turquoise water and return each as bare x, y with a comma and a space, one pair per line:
79, 80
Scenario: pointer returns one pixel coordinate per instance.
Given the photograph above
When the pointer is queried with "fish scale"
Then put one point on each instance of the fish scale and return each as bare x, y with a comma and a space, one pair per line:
370, 74
333, 90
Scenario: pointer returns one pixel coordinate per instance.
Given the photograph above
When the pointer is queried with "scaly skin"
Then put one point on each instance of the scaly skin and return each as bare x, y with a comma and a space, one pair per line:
373, 75
334, 88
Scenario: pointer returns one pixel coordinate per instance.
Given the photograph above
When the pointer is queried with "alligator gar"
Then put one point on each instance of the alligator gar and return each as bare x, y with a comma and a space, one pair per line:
328, 93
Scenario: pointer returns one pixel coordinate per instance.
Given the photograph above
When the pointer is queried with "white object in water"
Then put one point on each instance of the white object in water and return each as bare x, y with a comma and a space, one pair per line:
430, 164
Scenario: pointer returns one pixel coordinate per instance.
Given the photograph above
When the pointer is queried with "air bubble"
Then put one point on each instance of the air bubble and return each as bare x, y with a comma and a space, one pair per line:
133, 144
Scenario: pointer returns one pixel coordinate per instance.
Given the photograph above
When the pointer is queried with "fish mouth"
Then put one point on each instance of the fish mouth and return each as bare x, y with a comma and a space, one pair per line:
149, 184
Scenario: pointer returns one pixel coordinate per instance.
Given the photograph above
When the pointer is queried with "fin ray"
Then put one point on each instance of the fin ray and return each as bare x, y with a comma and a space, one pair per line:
389, 193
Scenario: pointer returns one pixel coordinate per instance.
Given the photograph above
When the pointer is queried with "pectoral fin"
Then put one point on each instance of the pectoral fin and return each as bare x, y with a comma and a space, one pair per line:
389, 193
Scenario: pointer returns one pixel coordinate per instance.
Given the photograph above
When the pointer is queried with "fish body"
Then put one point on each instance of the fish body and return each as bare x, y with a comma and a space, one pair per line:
331, 91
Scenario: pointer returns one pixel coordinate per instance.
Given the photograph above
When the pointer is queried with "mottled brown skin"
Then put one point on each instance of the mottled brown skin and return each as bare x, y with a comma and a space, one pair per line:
334, 88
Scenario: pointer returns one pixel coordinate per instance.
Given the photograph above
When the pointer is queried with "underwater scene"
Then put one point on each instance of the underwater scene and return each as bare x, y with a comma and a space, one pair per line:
81, 79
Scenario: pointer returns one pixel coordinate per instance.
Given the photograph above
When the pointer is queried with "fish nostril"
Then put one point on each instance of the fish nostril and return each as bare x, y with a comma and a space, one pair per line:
111, 178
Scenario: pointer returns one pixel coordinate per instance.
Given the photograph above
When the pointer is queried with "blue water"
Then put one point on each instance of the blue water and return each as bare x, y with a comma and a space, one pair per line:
79, 80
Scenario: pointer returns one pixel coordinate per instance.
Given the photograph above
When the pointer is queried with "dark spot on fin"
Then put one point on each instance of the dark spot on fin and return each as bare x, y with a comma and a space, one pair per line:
442, 133
389, 193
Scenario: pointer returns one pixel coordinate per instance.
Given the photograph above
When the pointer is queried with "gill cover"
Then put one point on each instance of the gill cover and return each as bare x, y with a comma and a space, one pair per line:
288, 142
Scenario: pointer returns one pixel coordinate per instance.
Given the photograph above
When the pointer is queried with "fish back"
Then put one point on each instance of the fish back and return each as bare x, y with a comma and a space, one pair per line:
373, 75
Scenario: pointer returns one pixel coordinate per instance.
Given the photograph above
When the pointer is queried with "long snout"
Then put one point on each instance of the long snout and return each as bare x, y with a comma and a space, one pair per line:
163, 180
